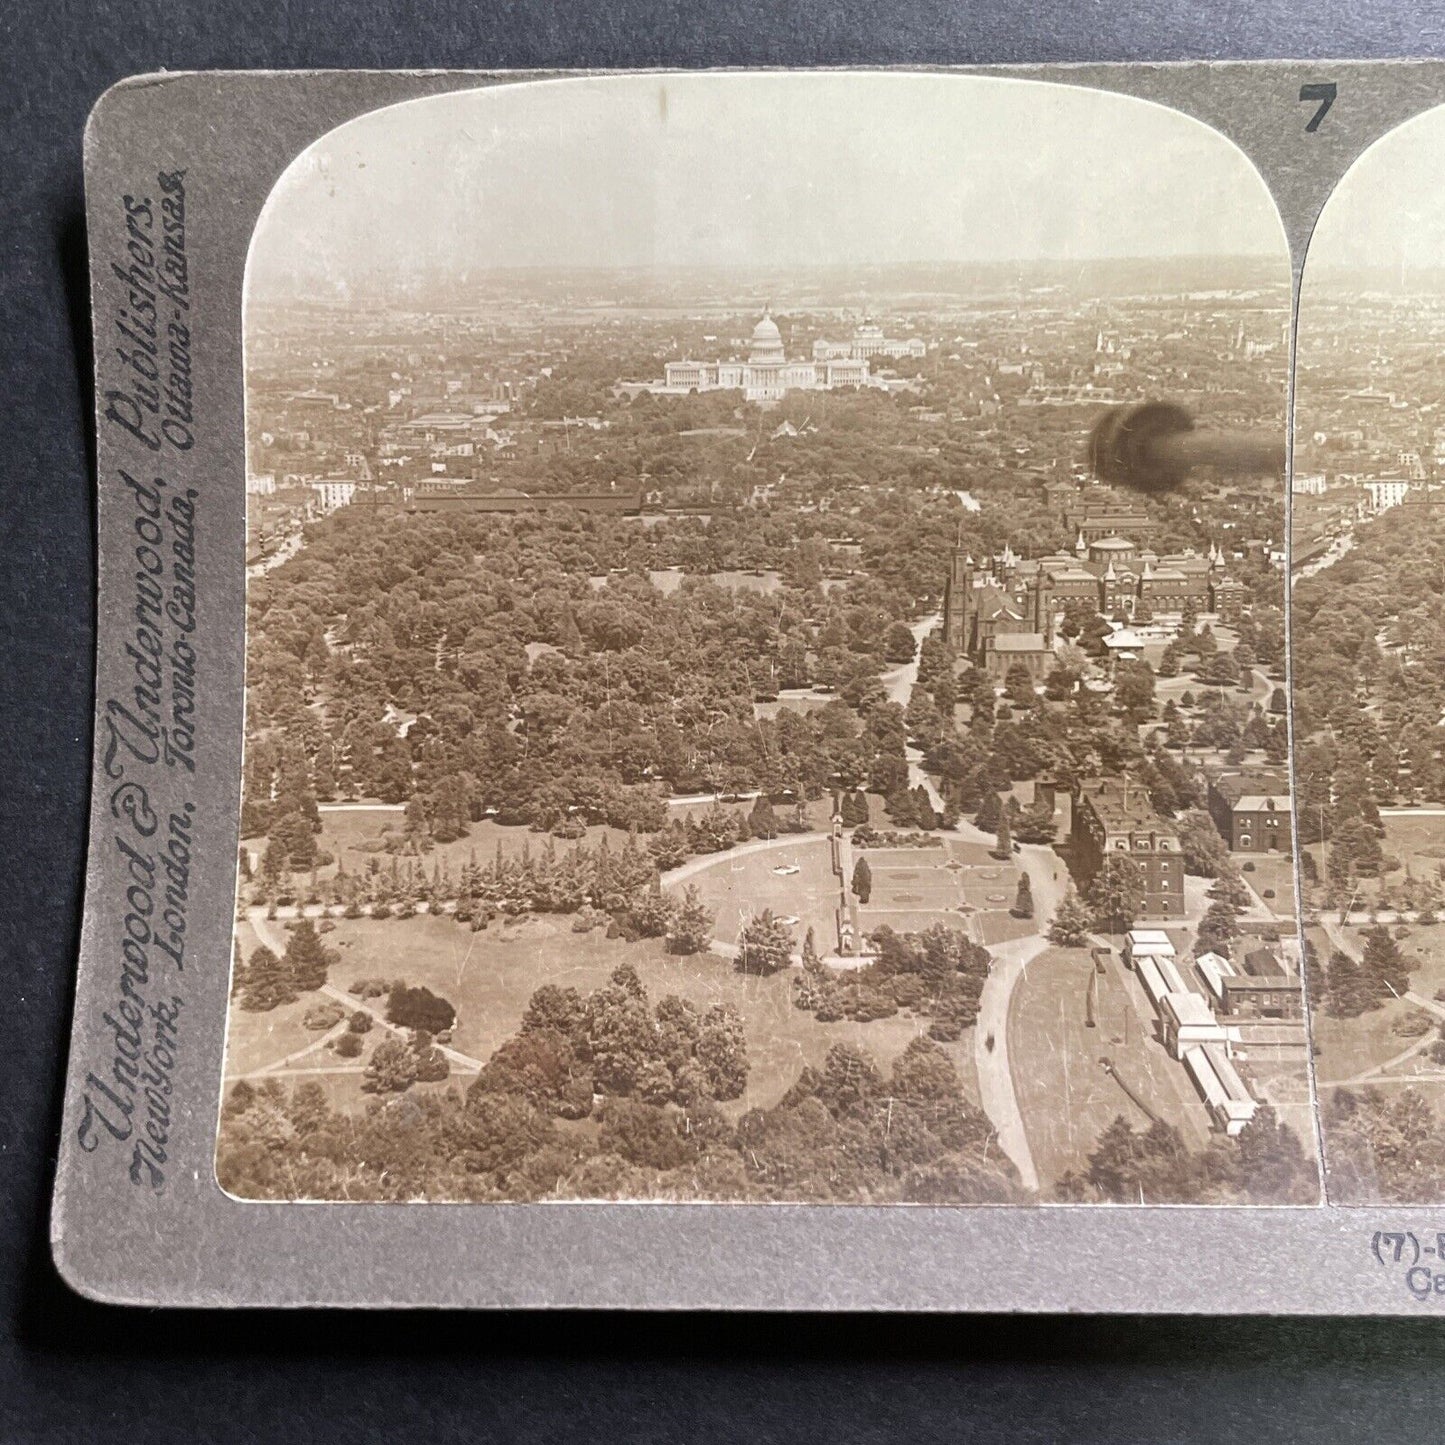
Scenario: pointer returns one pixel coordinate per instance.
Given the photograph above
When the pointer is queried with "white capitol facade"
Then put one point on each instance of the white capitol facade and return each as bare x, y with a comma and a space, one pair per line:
768, 375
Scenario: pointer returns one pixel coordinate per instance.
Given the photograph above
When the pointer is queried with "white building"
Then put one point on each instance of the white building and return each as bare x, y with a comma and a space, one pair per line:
869, 341
333, 493
1387, 493
1313, 485
767, 375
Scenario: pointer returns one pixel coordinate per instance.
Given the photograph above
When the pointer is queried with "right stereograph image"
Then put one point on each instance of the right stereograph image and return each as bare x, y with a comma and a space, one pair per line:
1368, 557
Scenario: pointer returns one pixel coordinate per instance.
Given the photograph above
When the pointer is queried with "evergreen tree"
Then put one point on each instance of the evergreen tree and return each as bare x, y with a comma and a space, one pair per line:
761, 820
1116, 894
392, 1069
432, 1065
306, 958
1004, 846
1384, 962
652, 912
1348, 991
1272, 1163
862, 880
1071, 922
268, 982
989, 809
1024, 898
764, 944
811, 962
692, 924
923, 814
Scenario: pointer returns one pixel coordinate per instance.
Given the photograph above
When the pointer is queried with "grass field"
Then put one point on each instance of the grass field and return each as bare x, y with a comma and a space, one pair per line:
737, 885
1066, 1098
958, 883
1272, 871
1418, 842
357, 836
1346, 1047
490, 976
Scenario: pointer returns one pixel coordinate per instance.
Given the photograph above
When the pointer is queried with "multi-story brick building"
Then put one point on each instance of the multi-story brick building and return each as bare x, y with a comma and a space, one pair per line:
1113, 818
1251, 810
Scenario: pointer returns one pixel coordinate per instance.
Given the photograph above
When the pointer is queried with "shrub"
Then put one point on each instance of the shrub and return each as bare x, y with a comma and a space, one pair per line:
867, 1004
419, 1008
945, 1029
909, 990
360, 1022
323, 1016
348, 1046
1415, 1024
587, 918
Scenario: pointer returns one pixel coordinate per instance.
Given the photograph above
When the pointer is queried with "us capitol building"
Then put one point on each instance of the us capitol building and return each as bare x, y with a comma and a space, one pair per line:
767, 374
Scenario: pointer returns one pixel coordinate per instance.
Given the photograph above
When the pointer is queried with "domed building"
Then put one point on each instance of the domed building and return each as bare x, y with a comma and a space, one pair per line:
767, 347
765, 376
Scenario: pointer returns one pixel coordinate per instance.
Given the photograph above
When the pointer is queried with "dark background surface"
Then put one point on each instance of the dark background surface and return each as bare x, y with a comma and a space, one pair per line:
73, 1371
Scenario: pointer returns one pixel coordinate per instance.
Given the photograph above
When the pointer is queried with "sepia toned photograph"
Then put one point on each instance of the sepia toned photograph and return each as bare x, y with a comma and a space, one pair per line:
1368, 506
766, 666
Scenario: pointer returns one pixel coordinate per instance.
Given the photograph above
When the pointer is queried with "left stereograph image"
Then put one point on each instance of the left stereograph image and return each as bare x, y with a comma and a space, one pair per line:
765, 655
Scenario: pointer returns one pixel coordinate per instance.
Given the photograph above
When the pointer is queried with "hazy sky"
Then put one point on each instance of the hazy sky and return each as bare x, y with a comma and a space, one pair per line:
759, 171
1389, 208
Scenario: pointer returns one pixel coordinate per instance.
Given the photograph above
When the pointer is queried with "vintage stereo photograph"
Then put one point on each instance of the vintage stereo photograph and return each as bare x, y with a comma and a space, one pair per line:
778, 689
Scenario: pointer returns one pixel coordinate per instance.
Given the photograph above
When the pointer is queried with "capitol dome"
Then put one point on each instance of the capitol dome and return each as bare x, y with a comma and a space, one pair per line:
767, 343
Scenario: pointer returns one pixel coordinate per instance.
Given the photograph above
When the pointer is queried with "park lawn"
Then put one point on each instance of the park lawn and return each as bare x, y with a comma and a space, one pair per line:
341, 1081
738, 884
1417, 841
1001, 926
1425, 947
489, 976
964, 850
257, 1040
913, 920
1276, 871
254, 1040
1066, 1098
1349, 1046
1346, 1047
354, 837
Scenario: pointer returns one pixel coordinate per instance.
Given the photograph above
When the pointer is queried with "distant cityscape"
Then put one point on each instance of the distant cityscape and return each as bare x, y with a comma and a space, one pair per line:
743, 690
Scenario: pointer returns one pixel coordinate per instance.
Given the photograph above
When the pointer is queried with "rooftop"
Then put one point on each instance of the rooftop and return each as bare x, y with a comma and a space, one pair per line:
1263, 963
1253, 789
1122, 805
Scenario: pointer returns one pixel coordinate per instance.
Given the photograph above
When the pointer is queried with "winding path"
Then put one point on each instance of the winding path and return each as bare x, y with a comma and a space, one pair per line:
1011, 959
274, 939
1010, 962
